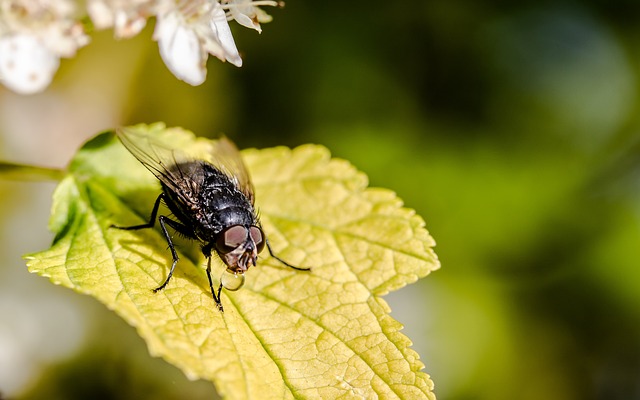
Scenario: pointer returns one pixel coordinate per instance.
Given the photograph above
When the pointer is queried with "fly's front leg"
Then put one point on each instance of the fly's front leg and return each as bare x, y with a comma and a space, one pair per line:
216, 299
283, 261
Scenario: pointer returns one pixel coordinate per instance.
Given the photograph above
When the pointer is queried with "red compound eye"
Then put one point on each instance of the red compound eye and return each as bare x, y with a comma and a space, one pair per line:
231, 238
258, 237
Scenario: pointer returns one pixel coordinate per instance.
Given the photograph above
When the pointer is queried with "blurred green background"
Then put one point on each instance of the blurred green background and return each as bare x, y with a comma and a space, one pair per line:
511, 127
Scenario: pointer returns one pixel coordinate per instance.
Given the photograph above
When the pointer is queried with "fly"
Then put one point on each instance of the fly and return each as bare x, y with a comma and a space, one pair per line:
211, 202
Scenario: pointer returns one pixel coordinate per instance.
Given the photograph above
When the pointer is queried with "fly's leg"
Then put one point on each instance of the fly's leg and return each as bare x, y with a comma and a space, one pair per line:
179, 228
163, 222
283, 261
216, 299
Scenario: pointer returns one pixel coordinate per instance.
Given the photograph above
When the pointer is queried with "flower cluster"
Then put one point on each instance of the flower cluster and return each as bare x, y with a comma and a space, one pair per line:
35, 34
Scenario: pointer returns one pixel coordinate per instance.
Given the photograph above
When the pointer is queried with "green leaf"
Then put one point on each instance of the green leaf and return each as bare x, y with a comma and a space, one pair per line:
286, 334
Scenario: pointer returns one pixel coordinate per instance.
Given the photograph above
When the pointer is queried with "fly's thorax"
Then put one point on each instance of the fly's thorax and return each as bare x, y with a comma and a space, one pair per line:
223, 202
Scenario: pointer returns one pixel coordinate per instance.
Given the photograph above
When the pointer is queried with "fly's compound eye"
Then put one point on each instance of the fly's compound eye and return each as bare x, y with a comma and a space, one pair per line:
231, 238
258, 237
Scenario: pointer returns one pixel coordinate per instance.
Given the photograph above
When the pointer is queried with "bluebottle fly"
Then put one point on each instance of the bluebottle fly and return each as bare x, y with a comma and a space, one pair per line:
211, 202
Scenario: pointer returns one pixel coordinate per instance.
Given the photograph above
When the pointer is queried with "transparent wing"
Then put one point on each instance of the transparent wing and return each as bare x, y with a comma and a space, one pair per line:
179, 171
173, 168
226, 157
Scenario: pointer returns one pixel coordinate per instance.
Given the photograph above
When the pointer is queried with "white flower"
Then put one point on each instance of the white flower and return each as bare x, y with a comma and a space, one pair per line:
247, 14
188, 32
126, 17
34, 35
26, 64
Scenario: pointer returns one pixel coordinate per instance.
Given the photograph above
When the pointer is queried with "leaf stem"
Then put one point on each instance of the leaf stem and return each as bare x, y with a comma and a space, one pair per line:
29, 173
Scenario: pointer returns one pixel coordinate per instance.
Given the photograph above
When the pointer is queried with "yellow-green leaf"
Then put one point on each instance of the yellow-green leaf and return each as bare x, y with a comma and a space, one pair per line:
286, 334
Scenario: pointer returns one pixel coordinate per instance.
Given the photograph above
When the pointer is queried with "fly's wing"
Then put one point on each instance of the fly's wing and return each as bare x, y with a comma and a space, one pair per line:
179, 172
226, 157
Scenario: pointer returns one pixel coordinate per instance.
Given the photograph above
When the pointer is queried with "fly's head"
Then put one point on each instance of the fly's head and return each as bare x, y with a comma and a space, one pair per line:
238, 246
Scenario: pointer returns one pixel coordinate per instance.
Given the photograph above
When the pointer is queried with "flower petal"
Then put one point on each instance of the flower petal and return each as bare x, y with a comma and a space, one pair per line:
221, 30
180, 49
100, 13
244, 20
27, 66
127, 26
127, 18
248, 15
